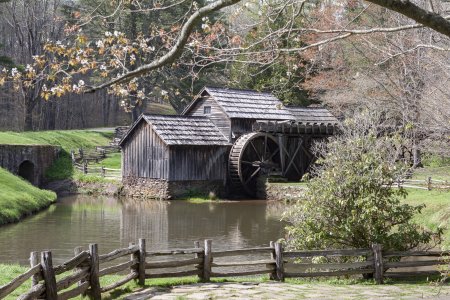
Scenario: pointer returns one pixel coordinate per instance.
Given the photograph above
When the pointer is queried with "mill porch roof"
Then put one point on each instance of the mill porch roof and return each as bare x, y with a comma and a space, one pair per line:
312, 115
182, 130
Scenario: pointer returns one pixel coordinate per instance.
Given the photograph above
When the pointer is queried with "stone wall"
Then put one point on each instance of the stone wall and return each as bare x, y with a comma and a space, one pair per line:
28, 161
145, 188
148, 188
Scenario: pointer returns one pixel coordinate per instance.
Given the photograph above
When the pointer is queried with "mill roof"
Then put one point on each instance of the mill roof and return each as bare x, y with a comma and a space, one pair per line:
312, 115
183, 130
246, 104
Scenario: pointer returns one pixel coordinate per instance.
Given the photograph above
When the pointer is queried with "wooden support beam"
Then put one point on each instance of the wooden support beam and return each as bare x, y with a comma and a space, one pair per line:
292, 158
281, 145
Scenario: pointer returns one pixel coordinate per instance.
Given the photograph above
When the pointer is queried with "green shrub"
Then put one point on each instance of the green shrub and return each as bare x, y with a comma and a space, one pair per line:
350, 202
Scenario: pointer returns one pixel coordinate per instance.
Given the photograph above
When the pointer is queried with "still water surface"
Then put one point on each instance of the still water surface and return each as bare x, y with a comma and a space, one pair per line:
80, 220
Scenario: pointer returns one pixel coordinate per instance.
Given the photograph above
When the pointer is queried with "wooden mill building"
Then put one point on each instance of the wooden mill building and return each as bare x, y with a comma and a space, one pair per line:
225, 141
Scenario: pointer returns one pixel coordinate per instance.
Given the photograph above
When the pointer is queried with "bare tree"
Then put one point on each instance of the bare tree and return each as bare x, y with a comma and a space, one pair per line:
26, 26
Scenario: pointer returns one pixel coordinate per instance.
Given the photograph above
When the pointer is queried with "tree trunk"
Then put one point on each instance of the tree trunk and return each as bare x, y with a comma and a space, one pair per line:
28, 117
417, 158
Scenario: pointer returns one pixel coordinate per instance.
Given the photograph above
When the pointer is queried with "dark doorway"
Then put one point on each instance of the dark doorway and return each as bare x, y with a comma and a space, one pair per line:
26, 171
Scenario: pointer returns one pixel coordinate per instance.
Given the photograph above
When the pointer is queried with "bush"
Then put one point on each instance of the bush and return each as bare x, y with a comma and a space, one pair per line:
350, 202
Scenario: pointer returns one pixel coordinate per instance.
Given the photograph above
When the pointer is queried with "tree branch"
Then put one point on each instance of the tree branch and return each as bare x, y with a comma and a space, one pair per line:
176, 50
418, 14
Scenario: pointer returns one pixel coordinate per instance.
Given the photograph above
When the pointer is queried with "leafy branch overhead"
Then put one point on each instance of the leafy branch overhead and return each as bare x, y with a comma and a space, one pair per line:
117, 60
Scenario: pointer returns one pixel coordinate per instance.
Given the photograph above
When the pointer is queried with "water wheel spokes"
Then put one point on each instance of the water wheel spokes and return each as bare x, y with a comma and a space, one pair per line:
252, 155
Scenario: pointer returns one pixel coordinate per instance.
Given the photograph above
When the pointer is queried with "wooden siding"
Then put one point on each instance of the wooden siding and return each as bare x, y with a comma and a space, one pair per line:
241, 126
217, 115
198, 162
145, 154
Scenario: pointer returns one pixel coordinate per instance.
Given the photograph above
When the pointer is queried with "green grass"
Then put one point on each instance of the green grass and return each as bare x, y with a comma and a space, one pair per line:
66, 139
436, 212
161, 109
113, 161
19, 198
439, 173
299, 184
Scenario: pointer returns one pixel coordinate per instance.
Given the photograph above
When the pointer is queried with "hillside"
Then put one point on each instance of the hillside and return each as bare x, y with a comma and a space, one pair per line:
67, 139
19, 198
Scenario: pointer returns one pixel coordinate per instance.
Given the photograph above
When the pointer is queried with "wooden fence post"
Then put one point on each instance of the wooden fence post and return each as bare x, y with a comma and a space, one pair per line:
279, 261
72, 155
273, 275
103, 171
199, 255
49, 276
95, 292
378, 263
77, 251
34, 261
85, 167
207, 260
141, 267
429, 183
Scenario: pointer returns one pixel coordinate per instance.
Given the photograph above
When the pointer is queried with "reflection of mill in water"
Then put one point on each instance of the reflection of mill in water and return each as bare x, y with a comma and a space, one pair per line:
144, 219
178, 224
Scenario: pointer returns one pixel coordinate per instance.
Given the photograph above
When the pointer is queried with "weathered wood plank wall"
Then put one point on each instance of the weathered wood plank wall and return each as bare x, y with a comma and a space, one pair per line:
145, 154
241, 126
217, 115
198, 162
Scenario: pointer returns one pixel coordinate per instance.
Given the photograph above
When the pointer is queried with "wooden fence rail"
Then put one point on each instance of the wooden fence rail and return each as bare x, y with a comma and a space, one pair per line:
81, 274
424, 184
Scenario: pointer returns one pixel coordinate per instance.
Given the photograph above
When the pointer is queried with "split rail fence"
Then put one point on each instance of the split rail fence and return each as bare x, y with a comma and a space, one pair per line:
81, 274
424, 184
82, 158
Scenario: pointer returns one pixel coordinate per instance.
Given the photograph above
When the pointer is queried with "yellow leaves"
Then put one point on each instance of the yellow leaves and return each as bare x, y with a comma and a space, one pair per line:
82, 39
46, 95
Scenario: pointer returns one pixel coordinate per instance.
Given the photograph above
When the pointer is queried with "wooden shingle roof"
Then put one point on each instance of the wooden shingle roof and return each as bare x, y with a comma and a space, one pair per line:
186, 130
248, 104
312, 115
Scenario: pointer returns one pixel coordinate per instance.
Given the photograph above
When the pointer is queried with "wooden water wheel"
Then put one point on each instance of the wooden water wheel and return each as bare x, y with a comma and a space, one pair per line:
252, 155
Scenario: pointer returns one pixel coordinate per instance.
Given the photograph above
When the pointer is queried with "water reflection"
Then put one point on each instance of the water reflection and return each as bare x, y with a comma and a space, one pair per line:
80, 220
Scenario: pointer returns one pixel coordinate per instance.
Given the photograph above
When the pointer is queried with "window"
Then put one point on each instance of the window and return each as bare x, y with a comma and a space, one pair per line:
207, 110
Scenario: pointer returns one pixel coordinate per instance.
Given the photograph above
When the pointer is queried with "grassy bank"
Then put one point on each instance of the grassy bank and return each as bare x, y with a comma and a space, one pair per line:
19, 198
66, 139
436, 212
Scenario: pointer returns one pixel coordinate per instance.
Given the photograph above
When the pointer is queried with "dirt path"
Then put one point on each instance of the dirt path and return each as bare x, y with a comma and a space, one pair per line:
282, 291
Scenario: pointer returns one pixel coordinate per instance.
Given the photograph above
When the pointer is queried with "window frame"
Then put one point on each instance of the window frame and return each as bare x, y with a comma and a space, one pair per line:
206, 110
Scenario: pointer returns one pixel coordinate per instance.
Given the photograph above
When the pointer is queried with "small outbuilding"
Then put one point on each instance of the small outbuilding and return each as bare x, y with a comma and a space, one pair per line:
171, 156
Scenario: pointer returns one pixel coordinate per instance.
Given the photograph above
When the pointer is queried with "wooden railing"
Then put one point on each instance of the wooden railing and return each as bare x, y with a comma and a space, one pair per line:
81, 274
424, 184
82, 158
99, 171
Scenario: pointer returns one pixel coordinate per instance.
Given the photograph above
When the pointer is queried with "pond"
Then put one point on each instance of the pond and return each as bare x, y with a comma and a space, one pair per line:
79, 220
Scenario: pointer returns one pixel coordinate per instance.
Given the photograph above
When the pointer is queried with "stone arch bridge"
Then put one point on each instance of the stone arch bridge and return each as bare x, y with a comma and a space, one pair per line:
28, 161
